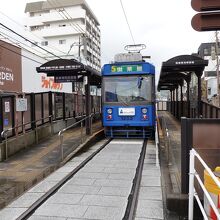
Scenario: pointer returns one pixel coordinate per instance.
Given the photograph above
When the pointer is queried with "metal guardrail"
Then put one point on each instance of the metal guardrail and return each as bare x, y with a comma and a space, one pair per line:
60, 134
192, 191
166, 138
4, 134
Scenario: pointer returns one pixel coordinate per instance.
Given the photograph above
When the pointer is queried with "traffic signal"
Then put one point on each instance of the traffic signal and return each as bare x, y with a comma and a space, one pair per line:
209, 18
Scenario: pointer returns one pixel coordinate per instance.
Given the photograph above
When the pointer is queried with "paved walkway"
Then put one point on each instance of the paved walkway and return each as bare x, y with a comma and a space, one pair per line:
150, 203
100, 190
174, 152
25, 169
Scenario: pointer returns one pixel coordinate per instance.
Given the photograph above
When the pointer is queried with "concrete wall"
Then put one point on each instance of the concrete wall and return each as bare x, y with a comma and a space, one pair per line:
16, 144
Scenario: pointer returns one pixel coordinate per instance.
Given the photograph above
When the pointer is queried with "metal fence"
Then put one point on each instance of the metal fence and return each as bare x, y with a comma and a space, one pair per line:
192, 191
39, 107
189, 109
210, 111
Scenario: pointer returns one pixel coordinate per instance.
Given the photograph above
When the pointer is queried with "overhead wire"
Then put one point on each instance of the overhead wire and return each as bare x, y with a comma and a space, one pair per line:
19, 54
75, 26
17, 42
22, 26
126, 18
67, 16
26, 39
70, 17
60, 12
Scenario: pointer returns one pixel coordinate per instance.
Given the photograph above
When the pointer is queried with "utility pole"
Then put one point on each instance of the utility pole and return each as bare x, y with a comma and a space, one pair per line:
217, 64
79, 55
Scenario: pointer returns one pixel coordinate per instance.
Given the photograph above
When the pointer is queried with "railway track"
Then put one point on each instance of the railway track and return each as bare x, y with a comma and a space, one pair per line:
114, 157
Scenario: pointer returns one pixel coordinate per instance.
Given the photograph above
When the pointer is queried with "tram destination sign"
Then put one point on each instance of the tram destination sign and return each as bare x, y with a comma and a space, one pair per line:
126, 68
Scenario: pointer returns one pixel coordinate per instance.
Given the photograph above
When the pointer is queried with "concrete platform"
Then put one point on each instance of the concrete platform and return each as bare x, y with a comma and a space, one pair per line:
101, 189
28, 167
170, 157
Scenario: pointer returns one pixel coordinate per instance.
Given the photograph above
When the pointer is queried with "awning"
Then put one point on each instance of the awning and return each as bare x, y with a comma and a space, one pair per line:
70, 67
179, 68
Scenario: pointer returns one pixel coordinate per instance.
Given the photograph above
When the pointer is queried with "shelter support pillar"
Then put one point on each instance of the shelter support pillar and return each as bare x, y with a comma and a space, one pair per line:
181, 100
188, 101
172, 103
199, 107
177, 103
88, 106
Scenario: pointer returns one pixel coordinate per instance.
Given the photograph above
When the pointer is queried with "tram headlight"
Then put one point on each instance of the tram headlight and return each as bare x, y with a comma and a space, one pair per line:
144, 110
109, 111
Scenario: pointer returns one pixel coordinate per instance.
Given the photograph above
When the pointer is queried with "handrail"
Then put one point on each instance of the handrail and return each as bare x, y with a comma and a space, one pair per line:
167, 139
22, 125
67, 128
60, 134
214, 106
4, 134
192, 191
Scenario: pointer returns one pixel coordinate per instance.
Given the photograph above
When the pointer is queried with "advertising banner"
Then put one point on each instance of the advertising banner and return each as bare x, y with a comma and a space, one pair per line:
10, 68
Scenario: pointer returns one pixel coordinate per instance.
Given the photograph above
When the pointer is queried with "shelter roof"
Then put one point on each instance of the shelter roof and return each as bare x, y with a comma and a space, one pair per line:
179, 68
69, 67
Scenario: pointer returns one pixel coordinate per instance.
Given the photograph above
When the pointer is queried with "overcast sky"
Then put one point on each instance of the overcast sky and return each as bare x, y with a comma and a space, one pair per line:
163, 25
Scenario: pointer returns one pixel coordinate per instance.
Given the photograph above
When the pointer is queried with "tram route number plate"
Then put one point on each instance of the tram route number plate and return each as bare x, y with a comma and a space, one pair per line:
126, 111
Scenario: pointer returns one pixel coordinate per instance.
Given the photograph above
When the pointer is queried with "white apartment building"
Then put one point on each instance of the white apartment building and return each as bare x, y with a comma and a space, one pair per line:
68, 26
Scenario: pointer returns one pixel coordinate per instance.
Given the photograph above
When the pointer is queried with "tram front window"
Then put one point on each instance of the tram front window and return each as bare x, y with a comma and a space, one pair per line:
127, 89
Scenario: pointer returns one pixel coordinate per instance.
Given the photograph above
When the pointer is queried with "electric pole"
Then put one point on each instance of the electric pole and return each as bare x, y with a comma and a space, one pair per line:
217, 64
79, 55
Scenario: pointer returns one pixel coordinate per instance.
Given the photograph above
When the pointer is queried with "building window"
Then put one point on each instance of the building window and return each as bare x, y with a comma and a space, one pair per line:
206, 51
44, 43
62, 41
209, 91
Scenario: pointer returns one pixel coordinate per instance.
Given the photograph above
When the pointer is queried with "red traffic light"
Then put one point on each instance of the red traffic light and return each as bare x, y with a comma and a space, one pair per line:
205, 5
208, 21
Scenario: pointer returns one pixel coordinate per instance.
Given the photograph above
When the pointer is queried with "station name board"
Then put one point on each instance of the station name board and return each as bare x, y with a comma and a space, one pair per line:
126, 68
69, 67
63, 79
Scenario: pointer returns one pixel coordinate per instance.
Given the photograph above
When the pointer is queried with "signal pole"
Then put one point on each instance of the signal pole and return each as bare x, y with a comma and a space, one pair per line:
217, 65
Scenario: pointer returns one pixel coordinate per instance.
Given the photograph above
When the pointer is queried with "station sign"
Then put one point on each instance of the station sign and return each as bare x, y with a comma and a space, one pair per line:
63, 79
21, 104
61, 68
126, 68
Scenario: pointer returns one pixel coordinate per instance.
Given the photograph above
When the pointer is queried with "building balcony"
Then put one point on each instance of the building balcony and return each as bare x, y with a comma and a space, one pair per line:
57, 31
52, 17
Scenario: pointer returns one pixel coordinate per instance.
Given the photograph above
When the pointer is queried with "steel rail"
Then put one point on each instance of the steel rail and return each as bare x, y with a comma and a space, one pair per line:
55, 188
133, 197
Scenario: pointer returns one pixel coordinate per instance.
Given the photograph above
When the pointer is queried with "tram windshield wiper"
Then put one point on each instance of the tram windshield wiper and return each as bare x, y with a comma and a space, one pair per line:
139, 82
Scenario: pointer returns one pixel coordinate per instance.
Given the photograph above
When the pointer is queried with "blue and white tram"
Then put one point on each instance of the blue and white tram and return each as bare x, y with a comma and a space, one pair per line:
128, 97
